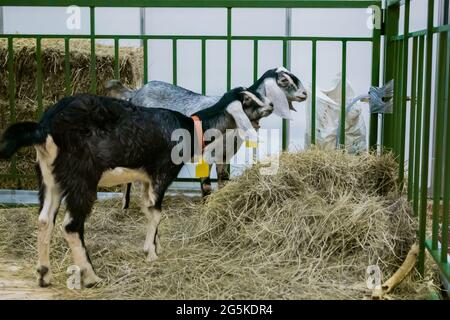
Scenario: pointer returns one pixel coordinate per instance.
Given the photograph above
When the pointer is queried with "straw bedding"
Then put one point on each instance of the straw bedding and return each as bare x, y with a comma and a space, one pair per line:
308, 232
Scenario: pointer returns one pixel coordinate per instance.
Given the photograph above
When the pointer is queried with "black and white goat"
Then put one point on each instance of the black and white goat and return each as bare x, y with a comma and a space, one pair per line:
86, 141
278, 85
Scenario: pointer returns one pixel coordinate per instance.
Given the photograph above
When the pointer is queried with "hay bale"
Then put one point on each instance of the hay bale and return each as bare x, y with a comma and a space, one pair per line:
130, 66
308, 232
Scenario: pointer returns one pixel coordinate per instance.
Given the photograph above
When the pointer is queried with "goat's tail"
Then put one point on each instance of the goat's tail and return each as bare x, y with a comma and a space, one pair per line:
22, 134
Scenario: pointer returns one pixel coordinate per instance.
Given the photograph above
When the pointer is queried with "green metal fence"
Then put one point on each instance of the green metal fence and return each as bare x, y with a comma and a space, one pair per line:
395, 67
420, 122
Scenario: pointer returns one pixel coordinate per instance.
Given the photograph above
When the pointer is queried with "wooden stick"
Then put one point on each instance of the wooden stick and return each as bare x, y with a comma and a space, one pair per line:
398, 276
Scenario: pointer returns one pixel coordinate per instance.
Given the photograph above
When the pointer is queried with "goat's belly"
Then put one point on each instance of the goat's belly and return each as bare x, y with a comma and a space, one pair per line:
121, 175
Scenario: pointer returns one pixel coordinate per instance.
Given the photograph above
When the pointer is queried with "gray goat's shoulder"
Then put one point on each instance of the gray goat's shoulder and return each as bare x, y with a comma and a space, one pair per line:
159, 94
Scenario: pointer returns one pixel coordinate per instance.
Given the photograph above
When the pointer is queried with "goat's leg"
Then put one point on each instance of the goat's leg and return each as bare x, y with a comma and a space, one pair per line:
223, 174
152, 244
50, 200
205, 184
152, 204
126, 191
79, 205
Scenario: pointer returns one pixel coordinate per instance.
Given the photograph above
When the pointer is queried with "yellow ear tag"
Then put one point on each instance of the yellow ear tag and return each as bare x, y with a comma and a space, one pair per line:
202, 169
251, 144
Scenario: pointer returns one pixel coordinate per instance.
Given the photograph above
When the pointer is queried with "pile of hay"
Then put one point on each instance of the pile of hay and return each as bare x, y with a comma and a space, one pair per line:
308, 232
25, 68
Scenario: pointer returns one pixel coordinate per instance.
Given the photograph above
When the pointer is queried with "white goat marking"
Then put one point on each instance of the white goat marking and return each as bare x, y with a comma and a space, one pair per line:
121, 175
151, 243
46, 155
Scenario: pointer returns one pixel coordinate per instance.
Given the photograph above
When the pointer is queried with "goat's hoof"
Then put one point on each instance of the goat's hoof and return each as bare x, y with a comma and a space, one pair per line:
91, 281
44, 276
159, 250
152, 257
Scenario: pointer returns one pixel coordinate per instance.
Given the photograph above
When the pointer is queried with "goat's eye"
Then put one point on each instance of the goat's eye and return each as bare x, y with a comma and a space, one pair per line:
247, 100
284, 82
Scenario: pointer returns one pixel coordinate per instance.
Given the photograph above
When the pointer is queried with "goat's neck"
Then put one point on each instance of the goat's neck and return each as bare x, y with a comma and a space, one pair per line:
221, 122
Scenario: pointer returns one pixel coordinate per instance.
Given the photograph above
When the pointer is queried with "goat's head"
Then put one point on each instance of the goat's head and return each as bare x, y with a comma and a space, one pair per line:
282, 87
254, 104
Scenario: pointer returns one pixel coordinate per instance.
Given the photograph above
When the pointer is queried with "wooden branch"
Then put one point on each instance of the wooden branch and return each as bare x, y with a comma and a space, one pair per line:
398, 276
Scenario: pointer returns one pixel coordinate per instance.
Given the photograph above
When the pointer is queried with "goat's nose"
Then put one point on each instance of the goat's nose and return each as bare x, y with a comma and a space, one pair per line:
271, 104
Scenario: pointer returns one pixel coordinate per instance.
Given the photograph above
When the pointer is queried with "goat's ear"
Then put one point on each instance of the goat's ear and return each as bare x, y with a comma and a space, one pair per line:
278, 98
246, 132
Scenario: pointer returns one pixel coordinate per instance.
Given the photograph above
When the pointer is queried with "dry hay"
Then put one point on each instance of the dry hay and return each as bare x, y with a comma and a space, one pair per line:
25, 68
308, 232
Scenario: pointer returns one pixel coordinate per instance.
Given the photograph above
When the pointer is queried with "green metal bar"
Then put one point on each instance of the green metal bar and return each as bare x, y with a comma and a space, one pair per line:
285, 126
189, 37
426, 139
67, 75
12, 96
376, 58
402, 110
437, 255
203, 67
439, 137
229, 35
145, 49
39, 77
419, 122
229, 48
392, 22
446, 199
200, 3
412, 120
174, 62
314, 93
116, 59
93, 70
343, 94
397, 97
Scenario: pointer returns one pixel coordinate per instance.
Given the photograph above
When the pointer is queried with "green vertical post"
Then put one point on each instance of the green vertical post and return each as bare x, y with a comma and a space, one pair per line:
229, 33
93, 70
446, 200
402, 109
397, 97
285, 126
426, 138
174, 62
67, 73
412, 120
376, 47
12, 95
203, 66
145, 52
229, 48
419, 122
343, 95
39, 77
392, 22
314, 92
116, 59
439, 136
